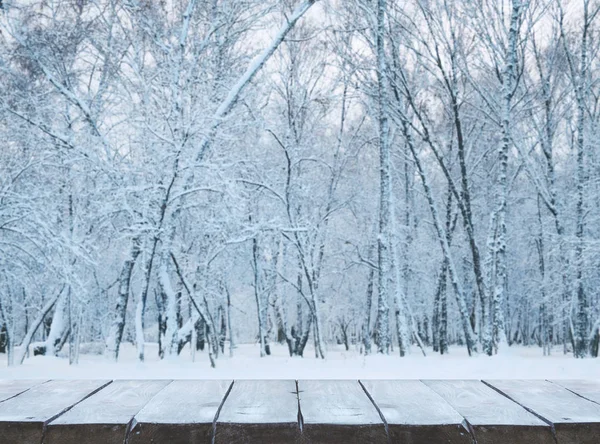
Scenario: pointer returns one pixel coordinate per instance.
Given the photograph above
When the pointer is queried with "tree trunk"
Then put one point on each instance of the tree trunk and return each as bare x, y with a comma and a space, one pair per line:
116, 332
470, 338
580, 349
3, 337
161, 321
301, 344
498, 334
58, 329
369, 303
141, 304
229, 327
260, 309
7, 332
384, 272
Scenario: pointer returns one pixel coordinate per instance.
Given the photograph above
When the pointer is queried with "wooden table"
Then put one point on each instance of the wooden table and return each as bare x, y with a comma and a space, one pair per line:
366, 411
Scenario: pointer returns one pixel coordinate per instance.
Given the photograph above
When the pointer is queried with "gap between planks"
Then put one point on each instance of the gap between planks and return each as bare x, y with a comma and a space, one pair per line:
572, 391
468, 428
299, 409
24, 391
65, 410
133, 421
385, 423
300, 417
533, 412
214, 425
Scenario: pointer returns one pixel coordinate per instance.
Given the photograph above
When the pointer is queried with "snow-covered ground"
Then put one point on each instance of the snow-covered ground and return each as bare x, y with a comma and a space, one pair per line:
513, 363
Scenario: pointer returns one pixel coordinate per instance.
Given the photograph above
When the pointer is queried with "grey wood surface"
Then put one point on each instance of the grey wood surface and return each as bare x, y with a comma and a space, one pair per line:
416, 414
259, 412
576, 420
494, 418
182, 413
589, 389
10, 388
338, 412
104, 417
407, 412
23, 418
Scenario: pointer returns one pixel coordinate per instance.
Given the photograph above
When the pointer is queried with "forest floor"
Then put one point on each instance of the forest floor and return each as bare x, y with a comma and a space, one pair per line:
512, 363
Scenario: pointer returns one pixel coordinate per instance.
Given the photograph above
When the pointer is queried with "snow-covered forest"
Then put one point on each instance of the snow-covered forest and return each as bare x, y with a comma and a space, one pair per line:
392, 176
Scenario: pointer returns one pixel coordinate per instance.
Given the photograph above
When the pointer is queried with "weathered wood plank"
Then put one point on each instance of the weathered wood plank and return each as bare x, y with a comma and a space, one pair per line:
494, 418
259, 412
589, 389
182, 413
23, 418
416, 414
332, 412
104, 417
339, 411
576, 420
10, 388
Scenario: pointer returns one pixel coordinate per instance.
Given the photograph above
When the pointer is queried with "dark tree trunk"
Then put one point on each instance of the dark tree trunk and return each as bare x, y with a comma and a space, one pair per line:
162, 322
595, 343
223, 333
3, 338
303, 340
200, 334
367, 325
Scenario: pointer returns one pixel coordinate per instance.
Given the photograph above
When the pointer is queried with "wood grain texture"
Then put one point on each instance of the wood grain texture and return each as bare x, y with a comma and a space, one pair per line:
576, 420
416, 414
494, 418
339, 412
104, 417
589, 389
9, 388
182, 413
259, 412
23, 418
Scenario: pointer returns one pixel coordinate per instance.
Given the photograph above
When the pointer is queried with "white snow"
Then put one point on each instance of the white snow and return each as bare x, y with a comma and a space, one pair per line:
513, 363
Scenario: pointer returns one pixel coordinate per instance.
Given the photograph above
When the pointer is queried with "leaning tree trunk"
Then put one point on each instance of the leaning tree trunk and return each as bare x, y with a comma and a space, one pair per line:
470, 337
113, 342
246, 78
59, 330
204, 313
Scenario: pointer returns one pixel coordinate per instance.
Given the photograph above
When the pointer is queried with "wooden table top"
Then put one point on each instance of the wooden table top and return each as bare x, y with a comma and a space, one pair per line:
304, 411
